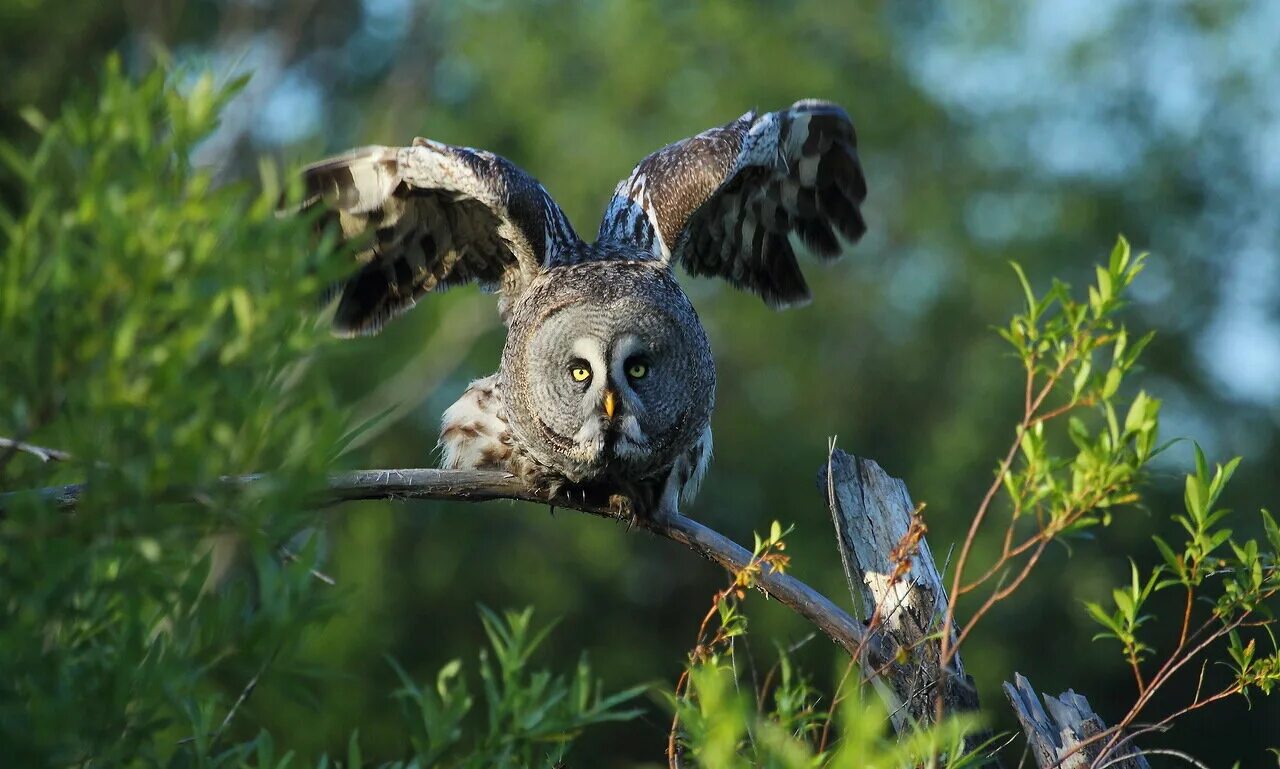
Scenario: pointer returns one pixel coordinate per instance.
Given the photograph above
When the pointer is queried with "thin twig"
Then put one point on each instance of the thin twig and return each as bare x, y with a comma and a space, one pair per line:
288, 556
245, 693
1001, 593
1156, 752
40, 452
1030, 406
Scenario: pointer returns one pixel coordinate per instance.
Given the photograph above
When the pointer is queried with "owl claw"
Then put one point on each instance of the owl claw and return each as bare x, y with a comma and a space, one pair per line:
624, 509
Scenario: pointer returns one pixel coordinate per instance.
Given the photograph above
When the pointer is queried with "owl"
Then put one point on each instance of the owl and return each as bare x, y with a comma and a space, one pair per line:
606, 383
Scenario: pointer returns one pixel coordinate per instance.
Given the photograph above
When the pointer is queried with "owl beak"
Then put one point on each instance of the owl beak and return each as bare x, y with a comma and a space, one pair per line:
609, 403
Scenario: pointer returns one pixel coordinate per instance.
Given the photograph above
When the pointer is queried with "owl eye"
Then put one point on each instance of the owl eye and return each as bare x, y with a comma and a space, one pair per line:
580, 372
637, 370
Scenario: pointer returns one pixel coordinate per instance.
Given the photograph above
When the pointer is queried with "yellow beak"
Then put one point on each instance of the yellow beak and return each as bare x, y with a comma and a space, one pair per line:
608, 403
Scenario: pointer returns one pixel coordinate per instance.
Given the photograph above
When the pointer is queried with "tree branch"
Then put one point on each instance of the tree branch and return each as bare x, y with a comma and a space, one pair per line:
40, 452
481, 486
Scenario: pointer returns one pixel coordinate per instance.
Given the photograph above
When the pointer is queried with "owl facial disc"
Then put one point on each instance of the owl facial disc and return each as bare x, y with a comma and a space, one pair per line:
610, 408
613, 372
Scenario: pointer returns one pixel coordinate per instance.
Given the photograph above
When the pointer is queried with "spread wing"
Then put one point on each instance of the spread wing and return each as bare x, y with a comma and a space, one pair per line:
435, 216
725, 202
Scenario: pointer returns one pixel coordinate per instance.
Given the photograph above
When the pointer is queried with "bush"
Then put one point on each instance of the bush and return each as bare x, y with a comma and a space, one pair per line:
154, 331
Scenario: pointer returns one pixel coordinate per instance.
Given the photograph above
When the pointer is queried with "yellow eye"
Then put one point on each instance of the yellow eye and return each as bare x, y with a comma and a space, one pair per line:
580, 373
637, 370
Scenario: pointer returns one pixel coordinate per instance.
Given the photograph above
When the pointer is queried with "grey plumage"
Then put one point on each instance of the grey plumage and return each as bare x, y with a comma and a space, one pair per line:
607, 382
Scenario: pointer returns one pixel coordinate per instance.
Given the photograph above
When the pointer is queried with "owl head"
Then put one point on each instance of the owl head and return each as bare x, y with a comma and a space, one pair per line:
606, 367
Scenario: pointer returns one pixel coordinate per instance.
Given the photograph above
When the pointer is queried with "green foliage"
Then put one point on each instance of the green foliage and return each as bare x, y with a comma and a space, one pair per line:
158, 332
1123, 623
1238, 583
1201, 524
723, 721
139, 296
531, 716
1074, 459
727, 725
1076, 355
154, 330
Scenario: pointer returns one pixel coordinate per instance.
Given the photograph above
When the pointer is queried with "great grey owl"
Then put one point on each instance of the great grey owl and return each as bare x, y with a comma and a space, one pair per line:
606, 383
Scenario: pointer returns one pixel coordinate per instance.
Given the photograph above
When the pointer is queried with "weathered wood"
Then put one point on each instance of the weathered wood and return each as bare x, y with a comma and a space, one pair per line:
893, 577
1055, 737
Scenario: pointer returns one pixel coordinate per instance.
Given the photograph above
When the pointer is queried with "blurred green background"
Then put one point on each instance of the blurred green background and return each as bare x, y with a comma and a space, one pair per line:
989, 131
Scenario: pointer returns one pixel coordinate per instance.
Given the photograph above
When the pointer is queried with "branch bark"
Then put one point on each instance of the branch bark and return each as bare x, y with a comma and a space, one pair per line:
481, 486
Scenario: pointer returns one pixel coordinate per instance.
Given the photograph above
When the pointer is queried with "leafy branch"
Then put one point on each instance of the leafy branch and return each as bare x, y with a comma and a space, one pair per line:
1074, 354
1246, 577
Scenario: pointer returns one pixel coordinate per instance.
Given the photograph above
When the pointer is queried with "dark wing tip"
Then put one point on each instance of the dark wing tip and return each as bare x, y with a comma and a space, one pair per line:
840, 183
778, 278
780, 302
369, 299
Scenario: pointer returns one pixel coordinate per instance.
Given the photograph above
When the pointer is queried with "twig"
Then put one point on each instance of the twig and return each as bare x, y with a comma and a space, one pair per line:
699, 652
40, 452
288, 556
1157, 752
245, 693
702, 650
1031, 405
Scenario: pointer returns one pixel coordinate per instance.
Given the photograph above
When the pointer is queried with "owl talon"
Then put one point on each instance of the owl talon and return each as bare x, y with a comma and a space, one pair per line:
622, 507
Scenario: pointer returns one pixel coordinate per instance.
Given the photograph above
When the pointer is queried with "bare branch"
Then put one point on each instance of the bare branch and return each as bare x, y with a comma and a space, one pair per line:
480, 486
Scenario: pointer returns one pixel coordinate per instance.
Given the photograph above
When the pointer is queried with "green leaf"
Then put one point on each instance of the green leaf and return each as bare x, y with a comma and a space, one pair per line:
1081, 379
1195, 496
1124, 602
1119, 260
1172, 559
1028, 295
1271, 530
354, 759
1104, 284
1137, 419
1101, 616
1112, 382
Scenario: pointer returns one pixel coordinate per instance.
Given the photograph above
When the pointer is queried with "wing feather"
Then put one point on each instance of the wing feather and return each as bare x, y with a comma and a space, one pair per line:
726, 201
435, 216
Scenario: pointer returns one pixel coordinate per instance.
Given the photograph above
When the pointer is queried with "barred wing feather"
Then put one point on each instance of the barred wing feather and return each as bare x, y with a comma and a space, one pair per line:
435, 216
725, 202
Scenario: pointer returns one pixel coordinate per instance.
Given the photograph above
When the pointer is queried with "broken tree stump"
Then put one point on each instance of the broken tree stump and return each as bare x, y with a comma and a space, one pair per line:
1058, 737
893, 577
